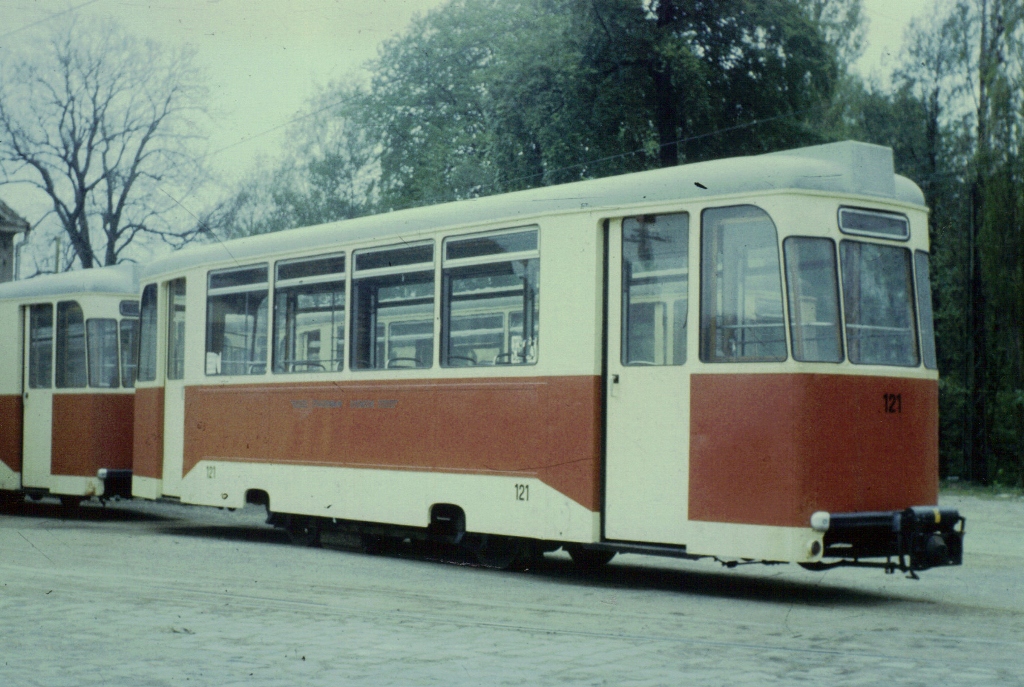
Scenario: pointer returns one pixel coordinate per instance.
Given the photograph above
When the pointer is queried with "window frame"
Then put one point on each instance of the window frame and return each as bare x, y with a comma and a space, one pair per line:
911, 297
482, 260
706, 346
128, 358
174, 365
292, 283
362, 278
851, 231
35, 361
627, 302
923, 301
790, 311
151, 350
246, 288
97, 356
66, 349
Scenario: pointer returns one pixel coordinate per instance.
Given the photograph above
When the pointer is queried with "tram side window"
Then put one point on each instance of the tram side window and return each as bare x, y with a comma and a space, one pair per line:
176, 329
147, 335
236, 321
71, 370
393, 303
40, 347
101, 337
654, 289
878, 297
129, 350
924, 309
491, 300
813, 299
741, 289
309, 315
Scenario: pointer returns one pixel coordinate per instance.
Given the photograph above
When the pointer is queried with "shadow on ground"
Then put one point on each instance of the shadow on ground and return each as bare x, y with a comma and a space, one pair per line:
90, 511
634, 573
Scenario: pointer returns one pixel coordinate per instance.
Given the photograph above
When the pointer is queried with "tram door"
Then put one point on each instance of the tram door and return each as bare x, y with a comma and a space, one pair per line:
174, 389
37, 395
648, 380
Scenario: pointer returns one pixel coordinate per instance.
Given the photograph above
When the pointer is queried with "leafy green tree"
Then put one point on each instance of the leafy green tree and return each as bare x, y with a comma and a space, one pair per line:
483, 96
954, 119
328, 175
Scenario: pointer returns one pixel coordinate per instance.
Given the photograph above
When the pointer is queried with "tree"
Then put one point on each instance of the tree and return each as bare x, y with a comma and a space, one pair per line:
989, 61
106, 127
483, 96
956, 121
329, 174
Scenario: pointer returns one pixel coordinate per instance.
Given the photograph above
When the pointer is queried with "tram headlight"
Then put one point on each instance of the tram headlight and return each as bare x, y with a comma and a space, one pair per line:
820, 521
102, 474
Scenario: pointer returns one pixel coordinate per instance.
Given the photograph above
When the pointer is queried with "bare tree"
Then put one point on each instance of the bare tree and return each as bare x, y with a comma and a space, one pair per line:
108, 127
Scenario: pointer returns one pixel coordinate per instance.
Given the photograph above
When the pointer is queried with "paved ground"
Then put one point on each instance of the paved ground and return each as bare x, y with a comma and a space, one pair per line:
157, 594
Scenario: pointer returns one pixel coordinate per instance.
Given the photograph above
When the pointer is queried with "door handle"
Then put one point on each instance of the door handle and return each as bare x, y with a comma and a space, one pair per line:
614, 391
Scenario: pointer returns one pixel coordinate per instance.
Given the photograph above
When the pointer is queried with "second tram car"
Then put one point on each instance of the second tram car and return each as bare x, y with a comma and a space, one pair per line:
522, 372
66, 413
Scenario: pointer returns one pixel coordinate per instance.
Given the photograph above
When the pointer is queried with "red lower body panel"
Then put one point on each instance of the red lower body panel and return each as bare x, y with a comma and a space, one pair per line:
770, 449
91, 431
148, 438
10, 431
542, 427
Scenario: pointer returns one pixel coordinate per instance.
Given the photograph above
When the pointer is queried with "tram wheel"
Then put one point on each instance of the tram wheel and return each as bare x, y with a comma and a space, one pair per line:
70, 503
503, 553
303, 530
589, 559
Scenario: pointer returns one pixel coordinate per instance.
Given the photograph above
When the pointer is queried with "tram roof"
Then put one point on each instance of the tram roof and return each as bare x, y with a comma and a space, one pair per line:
117, 279
847, 168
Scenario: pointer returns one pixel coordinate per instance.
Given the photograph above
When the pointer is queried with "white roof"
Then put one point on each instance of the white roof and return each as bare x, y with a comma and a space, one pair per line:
848, 168
118, 279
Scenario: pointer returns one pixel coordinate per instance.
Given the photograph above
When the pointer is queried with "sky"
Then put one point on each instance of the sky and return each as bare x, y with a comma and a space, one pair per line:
265, 58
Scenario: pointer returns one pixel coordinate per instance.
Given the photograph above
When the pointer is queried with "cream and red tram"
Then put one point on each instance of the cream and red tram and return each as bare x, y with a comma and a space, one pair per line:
67, 346
523, 372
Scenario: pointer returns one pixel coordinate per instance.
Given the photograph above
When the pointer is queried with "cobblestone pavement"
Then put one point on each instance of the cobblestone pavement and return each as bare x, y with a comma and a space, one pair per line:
157, 594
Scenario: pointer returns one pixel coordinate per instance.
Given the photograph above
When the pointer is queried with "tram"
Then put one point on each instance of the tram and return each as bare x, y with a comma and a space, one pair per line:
68, 343
520, 373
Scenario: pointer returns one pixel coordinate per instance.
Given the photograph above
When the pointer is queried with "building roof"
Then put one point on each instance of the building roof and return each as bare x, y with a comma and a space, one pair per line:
848, 168
10, 221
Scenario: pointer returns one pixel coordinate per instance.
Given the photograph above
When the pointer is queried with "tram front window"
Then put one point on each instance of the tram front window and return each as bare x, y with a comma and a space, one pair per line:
103, 362
71, 365
655, 250
813, 299
741, 290
878, 297
924, 309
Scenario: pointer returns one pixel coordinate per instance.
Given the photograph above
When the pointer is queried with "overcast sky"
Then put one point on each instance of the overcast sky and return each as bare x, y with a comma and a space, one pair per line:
265, 57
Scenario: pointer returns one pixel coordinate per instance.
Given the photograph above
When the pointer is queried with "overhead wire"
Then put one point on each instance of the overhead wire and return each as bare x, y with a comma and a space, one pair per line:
46, 19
